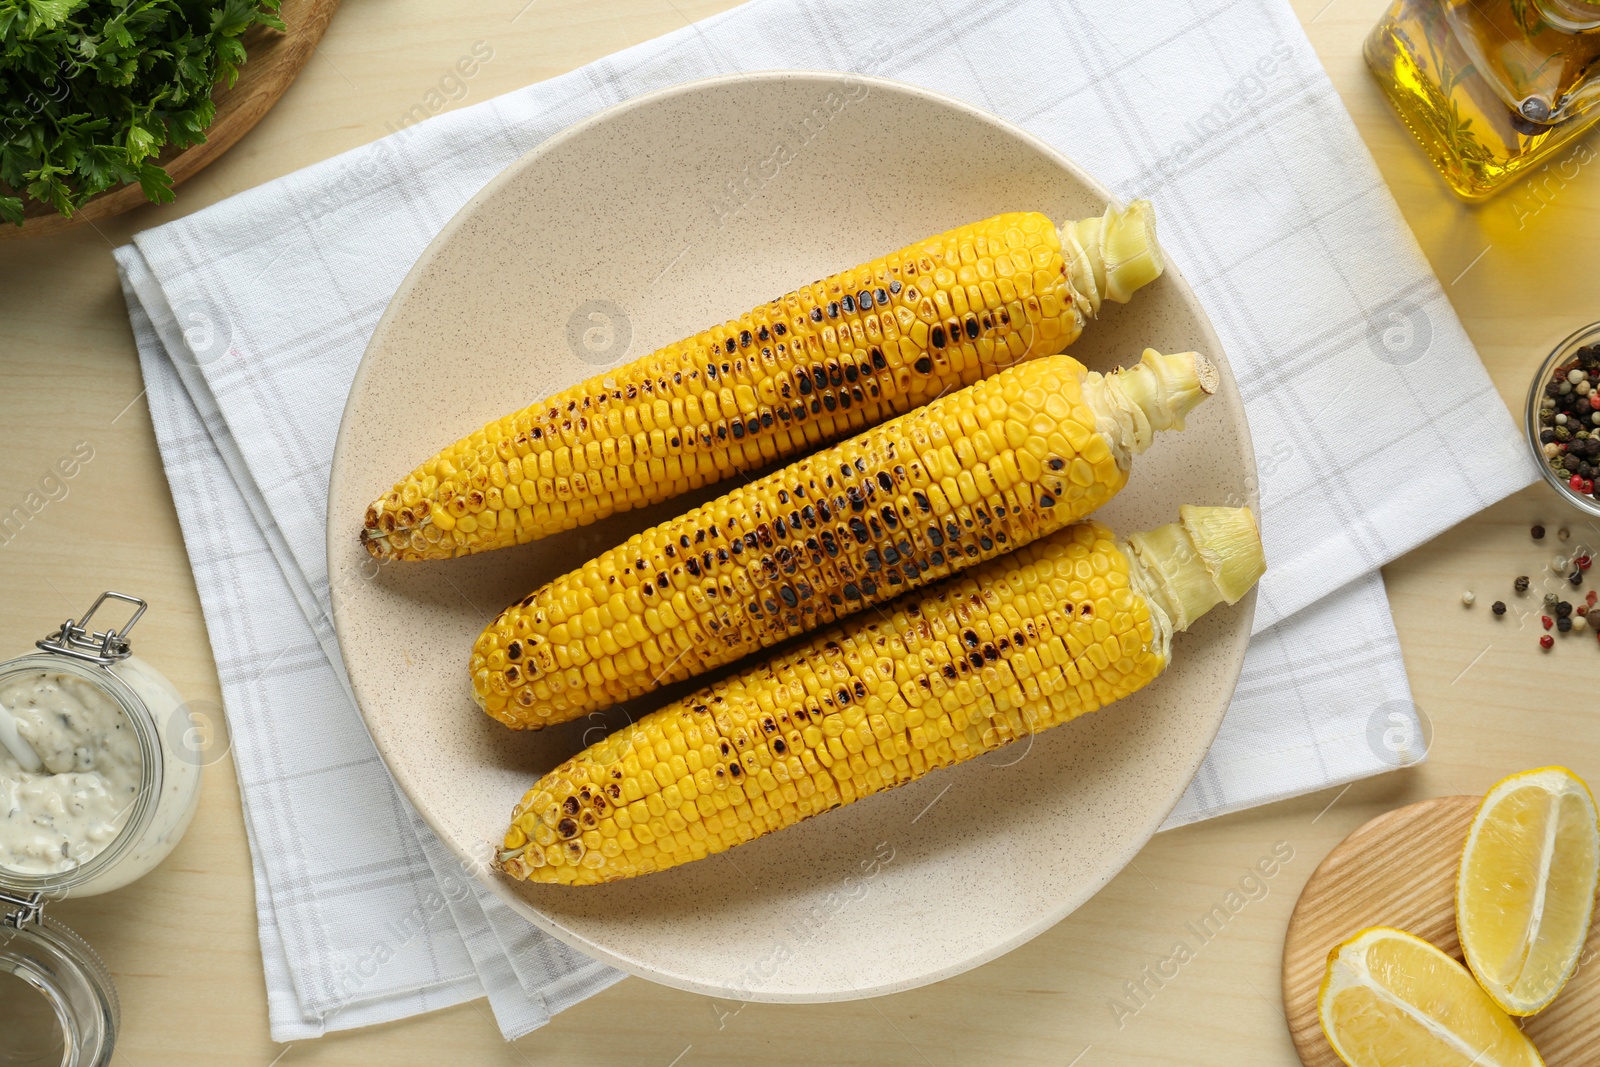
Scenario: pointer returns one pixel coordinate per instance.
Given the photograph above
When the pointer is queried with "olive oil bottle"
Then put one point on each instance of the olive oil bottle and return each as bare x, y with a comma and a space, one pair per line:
1491, 88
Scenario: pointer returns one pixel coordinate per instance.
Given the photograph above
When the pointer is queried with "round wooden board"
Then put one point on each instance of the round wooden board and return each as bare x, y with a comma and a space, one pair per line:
275, 59
1400, 870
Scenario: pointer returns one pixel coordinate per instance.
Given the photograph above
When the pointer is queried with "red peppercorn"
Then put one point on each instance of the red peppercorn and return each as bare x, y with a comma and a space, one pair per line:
1591, 598
1583, 563
1576, 482
1545, 619
1547, 642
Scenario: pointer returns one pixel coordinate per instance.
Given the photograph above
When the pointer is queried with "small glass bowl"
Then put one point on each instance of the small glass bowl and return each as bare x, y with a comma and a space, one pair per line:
1566, 350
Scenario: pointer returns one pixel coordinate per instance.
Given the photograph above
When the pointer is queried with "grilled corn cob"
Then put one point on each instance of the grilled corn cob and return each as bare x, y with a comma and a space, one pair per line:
1053, 631
963, 479
830, 358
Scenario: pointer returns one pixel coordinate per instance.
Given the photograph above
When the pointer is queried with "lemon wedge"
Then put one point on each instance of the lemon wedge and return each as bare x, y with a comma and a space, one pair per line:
1525, 895
1390, 999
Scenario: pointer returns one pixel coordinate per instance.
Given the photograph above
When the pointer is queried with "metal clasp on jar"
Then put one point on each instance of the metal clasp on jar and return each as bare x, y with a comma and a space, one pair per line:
77, 640
29, 907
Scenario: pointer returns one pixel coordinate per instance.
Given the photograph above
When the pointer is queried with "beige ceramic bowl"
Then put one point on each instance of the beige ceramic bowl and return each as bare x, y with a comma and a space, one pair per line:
643, 225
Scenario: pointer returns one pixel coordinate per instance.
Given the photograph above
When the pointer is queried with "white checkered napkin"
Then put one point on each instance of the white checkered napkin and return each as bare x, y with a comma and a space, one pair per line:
1349, 357
364, 915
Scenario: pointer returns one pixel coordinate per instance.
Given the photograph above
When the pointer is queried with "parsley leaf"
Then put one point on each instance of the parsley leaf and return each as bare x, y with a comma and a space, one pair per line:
92, 91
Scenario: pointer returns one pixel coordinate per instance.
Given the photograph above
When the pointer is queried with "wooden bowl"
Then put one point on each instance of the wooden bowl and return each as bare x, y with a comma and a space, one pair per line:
275, 59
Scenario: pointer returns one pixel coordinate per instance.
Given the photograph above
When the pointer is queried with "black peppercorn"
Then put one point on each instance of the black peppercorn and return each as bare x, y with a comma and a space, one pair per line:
1576, 578
1521, 584
1538, 533
1563, 609
1499, 607
1546, 435
1564, 624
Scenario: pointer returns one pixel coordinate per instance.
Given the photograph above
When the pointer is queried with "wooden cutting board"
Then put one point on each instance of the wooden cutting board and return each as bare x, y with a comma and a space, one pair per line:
1400, 870
275, 59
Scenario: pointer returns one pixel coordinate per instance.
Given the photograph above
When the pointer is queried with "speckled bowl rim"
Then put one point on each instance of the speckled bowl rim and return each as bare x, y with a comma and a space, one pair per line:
338, 527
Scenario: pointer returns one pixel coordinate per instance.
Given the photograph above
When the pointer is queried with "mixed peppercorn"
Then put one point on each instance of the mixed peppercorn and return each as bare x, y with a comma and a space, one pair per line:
1569, 422
1558, 615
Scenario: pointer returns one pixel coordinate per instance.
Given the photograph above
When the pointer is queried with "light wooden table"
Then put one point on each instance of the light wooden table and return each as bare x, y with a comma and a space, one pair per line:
182, 942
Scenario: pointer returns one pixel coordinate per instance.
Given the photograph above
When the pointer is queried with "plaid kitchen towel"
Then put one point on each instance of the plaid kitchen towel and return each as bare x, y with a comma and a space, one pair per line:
252, 315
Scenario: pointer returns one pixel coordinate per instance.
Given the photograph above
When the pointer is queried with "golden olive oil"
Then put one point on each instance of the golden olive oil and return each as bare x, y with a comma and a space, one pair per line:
1491, 88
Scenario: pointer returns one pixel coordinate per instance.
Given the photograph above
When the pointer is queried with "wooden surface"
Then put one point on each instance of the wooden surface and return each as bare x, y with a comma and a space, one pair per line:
182, 943
275, 59
1399, 870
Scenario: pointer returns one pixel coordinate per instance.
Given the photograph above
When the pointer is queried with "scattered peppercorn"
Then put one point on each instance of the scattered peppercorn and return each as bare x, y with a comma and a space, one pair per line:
1563, 609
1579, 622
1547, 642
1583, 563
1576, 578
1563, 624
1546, 621
1538, 533
1499, 607
1550, 601
1562, 533
1468, 597
1521, 584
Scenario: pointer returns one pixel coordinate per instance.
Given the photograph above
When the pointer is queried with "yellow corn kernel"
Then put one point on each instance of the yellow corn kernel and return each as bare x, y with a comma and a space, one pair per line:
825, 536
809, 707
827, 360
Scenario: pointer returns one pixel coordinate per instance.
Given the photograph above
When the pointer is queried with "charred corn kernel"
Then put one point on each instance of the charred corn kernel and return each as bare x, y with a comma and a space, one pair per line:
901, 505
973, 639
818, 363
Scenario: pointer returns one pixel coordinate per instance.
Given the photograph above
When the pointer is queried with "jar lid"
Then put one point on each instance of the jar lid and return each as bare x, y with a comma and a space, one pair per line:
56, 996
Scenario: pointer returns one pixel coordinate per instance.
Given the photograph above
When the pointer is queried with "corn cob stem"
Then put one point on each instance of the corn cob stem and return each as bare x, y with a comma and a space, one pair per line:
1055, 630
970, 476
815, 365
1111, 256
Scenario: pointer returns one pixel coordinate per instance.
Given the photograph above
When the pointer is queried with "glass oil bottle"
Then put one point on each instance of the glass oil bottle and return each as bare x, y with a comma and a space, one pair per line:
1491, 88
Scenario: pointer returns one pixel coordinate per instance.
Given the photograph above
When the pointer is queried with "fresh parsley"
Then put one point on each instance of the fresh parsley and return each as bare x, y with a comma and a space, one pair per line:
92, 90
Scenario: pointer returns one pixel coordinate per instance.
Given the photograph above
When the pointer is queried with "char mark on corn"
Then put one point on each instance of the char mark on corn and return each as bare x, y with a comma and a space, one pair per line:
812, 366
966, 478
1053, 631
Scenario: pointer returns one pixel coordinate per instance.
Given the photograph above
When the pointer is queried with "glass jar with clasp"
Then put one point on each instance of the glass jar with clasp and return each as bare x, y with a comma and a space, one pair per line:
1493, 89
97, 784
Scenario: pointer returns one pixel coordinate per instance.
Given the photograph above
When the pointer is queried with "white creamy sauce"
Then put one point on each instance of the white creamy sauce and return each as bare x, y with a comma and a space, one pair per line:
64, 814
